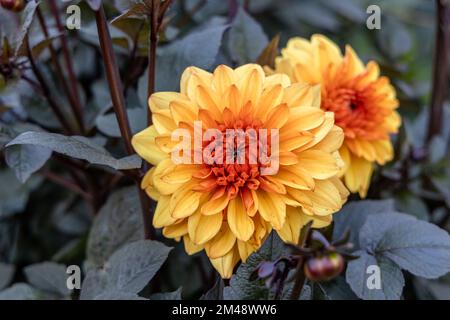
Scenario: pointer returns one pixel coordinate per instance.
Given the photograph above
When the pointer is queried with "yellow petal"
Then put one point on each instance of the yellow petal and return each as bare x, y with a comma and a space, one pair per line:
221, 243
183, 111
277, 79
245, 249
326, 198
300, 94
175, 230
232, 99
190, 247
295, 177
179, 174
147, 185
329, 52
162, 217
383, 150
214, 206
320, 132
250, 85
332, 141
358, 174
239, 221
354, 63
184, 202
288, 158
209, 100
163, 168
161, 100
300, 196
277, 117
296, 141
290, 232
304, 118
272, 208
203, 228
191, 78
270, 98
144, 144
163, 121
223, 78
225, 265
319, 164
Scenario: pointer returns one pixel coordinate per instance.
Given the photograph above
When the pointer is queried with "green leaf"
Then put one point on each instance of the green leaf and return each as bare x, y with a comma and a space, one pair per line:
357, 277
336, 289
20, 291
216, 292
26, 159
118, 295
394, 38
347, 8
135, 264
13, 194
442, 184
94, 284
6, 274
107, 123
376, 226
198, 48
408, 202
417, 246
28, 15
128, 270
39, 111
354, 214
77, 147
395, 241
241, 287
94, 4
48, 276
175, 295
118, 222
246, 39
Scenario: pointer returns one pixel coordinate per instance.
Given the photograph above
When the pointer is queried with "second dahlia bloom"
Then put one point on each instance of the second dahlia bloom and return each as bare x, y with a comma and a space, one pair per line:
363, 102
228, 209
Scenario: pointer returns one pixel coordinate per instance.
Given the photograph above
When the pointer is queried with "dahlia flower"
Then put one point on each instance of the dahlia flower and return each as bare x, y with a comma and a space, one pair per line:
363, 102
226, 207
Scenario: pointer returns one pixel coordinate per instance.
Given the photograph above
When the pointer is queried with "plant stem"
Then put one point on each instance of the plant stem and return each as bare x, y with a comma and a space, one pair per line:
114, 81
146, 213
441, 63
158, 11
118, 99
299, 274
74, 97
153, 43
55, 61
66, 183
47, 93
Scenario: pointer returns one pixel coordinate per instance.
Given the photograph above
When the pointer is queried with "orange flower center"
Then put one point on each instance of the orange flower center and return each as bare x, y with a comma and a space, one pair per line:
244, 173
357, 110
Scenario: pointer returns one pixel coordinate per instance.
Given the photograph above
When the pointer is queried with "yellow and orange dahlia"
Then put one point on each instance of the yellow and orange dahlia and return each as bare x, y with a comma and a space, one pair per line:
228, 209
363, 102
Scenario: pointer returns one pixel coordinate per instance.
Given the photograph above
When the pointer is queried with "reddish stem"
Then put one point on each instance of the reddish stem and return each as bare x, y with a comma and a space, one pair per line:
74, 96
441, 63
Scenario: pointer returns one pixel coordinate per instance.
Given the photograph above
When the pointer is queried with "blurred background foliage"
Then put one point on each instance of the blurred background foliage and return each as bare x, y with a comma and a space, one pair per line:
44, 219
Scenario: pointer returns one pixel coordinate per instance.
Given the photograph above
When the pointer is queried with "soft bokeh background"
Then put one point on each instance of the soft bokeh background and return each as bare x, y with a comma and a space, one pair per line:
41, 221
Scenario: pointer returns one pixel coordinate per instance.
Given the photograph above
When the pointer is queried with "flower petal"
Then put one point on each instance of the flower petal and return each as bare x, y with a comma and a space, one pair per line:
239, 221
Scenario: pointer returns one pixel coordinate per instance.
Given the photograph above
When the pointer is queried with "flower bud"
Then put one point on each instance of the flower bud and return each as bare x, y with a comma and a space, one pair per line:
325, 267
13, 5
